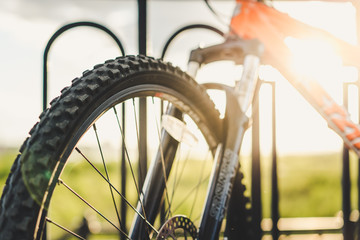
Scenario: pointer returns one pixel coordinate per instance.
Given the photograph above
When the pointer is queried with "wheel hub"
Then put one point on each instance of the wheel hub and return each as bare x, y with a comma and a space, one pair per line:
173, 226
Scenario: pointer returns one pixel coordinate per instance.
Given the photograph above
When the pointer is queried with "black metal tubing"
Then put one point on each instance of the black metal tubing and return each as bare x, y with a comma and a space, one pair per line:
256, 171
348, 228
356, 5
142, 38
186, 28
357, 84
275, 215
346, 202
142, 26
61, 31
358, 182
161, 167
256, 205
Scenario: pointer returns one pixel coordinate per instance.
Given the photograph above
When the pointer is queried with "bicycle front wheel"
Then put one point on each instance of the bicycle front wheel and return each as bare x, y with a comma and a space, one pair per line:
97, 166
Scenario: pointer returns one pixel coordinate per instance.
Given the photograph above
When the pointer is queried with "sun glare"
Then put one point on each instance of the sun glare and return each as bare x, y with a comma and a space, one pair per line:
315, 59
312, 57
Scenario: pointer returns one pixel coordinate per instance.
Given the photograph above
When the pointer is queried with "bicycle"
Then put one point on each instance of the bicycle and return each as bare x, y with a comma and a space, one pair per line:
183, 117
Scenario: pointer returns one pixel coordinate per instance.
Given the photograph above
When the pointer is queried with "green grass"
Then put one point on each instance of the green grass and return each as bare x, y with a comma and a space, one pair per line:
7, 157
309, 185
316, 185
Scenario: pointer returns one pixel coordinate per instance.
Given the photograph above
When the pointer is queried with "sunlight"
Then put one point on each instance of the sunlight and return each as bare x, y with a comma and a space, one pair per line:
312, 57
318, 60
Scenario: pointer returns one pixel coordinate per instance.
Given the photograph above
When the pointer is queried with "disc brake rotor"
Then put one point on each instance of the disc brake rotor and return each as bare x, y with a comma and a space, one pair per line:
172, 226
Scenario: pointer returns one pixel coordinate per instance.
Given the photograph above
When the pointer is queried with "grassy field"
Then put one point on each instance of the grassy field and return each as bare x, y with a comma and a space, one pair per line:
308, 185
7, 157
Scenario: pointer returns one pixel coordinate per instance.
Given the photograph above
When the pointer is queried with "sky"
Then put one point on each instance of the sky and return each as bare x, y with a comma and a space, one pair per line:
26, 26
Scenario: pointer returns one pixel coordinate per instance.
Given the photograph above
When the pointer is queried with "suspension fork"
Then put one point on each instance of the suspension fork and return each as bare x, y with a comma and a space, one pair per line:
225, 169
245, 88
238, 100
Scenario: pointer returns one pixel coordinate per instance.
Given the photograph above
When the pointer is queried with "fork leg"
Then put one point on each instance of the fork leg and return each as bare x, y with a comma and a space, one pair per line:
227, 166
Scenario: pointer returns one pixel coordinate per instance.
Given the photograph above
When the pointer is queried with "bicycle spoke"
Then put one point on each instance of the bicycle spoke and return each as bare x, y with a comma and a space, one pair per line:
195, 188
92, 207
162, 156
199, 183
107, 173
191, 191
112, 186
176, 183
103, 122
128, 159
65, 229
176, 176
176, 180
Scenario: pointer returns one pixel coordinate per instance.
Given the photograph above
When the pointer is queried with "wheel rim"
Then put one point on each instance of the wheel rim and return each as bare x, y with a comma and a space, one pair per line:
105, 204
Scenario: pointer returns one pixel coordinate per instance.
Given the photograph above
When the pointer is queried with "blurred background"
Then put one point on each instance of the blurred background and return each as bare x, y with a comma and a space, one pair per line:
309, 153
26, 27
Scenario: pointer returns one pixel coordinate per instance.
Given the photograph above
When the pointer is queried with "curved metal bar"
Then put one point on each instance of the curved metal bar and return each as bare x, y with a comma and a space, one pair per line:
193, 26
57, 34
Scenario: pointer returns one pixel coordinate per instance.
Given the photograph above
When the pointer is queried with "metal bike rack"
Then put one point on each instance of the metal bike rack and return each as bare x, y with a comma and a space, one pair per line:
256, 172
275, 215
186, 28
346, 184
256, 203
57, 34
142, 27
348, 226
256, 206
45, 81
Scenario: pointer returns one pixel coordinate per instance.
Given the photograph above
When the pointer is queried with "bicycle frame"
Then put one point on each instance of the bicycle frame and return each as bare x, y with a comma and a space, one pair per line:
258, 21
257, 34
